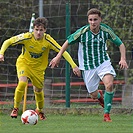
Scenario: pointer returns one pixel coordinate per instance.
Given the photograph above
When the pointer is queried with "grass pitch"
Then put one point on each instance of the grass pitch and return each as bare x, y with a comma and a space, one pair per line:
69, 123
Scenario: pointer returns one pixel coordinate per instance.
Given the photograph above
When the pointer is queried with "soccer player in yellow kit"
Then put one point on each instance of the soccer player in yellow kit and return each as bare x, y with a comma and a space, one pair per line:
33, 61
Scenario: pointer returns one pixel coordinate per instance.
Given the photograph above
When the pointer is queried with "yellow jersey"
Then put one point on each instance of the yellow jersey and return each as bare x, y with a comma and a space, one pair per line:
35, 52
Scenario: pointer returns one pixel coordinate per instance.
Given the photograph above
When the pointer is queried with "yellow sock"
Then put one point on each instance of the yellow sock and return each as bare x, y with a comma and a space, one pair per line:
39, 97
19, 92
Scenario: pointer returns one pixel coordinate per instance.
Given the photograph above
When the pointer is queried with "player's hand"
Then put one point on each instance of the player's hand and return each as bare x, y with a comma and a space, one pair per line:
123, 64
54, 62
1, 57
77, 72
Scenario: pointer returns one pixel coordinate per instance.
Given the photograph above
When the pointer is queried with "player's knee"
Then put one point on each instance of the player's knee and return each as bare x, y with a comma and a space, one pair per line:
109, 87
93, 95
37, 89
21, 86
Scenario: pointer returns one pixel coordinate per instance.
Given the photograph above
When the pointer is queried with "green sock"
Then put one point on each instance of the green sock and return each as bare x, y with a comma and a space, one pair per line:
98, 95
108, 97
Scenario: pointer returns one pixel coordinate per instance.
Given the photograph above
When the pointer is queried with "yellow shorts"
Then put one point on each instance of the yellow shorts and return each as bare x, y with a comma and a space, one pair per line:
36, 76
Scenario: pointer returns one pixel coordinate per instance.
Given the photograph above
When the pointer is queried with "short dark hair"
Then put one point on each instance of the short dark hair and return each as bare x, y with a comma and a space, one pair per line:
41, 21
94, 11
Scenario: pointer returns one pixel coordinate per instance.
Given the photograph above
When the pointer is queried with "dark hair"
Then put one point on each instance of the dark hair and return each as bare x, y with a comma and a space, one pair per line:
41, 21
94, 11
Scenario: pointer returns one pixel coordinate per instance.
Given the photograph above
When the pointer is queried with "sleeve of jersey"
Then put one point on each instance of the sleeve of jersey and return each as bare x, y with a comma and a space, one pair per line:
75, 37
67, 56
4, 46
71, 39
13, 41
114, 38
56, 47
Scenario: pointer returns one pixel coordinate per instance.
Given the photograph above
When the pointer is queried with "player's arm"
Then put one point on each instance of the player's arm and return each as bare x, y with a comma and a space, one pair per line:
71, 39
55, 61
67, 56
117, 41
122, 62
4, 46
18, 39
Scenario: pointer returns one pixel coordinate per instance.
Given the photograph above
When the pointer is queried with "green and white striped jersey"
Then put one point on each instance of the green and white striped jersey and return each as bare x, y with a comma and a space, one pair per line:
92, 47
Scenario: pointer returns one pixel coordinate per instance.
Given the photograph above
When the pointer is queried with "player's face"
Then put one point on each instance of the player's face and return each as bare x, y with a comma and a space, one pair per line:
39, 32
94, 21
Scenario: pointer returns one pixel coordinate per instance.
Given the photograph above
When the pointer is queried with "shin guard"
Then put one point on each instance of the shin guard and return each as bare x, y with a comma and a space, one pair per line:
19, 92
39, 97
108, 97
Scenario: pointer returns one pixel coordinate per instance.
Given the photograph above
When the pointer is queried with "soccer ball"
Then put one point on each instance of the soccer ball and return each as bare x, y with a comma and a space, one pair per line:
29, 117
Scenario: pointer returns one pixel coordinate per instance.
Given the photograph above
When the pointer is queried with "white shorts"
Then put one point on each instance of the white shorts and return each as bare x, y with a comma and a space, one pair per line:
93, 77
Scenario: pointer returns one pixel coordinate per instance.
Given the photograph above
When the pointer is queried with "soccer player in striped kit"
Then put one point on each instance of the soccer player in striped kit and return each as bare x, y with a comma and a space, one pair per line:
93, 58
33, 61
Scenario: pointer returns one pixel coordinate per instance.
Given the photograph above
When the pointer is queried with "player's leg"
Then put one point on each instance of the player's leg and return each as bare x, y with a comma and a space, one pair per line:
108, 96
107, 73
92, 80
38, 85
19, 92
39, 97
100, 98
